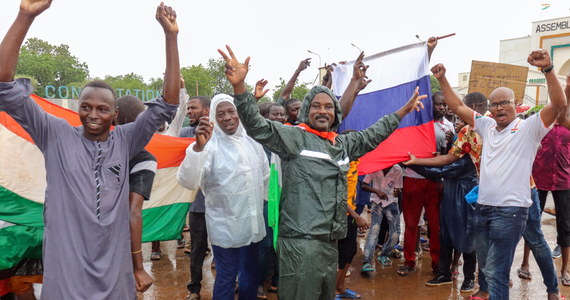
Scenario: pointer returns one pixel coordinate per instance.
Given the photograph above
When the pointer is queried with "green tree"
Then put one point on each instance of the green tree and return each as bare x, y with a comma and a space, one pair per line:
50, 64
198, 81
130, 83
156, 83
217, 71
299, 91
434, 84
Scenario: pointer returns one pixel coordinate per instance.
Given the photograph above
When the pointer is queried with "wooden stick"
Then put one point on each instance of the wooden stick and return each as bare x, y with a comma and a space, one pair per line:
445, 36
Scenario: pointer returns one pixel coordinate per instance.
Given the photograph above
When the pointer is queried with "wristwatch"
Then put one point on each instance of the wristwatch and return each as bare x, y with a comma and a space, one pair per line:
547, 69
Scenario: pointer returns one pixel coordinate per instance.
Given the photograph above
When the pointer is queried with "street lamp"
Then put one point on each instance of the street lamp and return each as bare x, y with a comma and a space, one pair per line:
316, 55
353, 45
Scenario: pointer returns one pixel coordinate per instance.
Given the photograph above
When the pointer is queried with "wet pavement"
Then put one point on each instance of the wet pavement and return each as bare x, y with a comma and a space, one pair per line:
171, 275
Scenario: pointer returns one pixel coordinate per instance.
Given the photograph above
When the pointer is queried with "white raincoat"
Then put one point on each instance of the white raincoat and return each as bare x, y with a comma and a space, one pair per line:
233, 173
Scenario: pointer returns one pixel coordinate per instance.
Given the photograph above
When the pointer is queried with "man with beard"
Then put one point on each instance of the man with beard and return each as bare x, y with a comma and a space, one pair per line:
315, 163
198, 107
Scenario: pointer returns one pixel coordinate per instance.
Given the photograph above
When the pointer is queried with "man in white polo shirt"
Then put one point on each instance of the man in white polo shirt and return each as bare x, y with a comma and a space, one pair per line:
509, 147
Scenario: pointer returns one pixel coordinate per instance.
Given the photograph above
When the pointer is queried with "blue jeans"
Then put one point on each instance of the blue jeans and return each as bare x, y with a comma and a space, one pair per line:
534, 238
230, 262
392, 214
498, 229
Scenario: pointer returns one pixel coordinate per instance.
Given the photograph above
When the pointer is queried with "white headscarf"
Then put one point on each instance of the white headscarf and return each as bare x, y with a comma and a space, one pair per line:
234, 181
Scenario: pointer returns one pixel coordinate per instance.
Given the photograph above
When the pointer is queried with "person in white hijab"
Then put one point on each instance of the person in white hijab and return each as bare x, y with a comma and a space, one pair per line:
232, 171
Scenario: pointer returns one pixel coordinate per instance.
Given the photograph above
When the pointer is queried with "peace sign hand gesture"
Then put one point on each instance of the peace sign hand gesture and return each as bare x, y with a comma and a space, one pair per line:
235, 71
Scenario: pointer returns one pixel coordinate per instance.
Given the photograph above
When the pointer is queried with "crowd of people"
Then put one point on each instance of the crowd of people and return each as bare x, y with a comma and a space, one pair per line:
484, 189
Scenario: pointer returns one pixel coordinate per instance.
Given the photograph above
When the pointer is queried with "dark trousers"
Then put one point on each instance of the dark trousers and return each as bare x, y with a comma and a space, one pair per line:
446, 259
199, 238
562, 206
236, 262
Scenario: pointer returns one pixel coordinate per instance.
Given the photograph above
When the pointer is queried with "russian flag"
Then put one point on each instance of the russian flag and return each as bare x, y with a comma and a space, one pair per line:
395, 74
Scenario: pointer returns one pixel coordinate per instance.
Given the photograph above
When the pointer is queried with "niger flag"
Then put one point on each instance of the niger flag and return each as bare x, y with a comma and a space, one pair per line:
23, 185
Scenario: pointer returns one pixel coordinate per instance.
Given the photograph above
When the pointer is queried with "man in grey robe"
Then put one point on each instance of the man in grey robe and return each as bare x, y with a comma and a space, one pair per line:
86, 212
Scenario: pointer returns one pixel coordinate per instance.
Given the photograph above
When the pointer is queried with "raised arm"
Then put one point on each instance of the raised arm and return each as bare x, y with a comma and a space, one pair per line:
451, 98
276, 136
173, 129
541, 58
431, 44
260, 90
166, 16
10, 46
563, 118
327, 79
357, 83
364, 141
288, 89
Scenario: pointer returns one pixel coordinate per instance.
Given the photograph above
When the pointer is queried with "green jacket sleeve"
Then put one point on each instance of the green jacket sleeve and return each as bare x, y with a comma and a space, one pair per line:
361, 142
280, 139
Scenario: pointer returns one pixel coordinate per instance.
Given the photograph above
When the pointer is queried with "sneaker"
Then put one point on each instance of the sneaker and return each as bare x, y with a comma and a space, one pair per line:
439, 280
384, 260
468, 286
367, 267
556, 252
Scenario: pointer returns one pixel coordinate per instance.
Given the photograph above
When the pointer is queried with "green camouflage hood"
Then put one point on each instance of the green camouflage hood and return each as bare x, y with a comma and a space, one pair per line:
304, 112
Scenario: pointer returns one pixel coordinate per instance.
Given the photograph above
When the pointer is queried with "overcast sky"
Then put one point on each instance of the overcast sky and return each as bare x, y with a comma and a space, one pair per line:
122, 36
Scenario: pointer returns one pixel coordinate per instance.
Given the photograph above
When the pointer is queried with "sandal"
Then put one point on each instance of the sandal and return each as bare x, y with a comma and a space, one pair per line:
273, 289
350, 294
155, 256
565, 279
523, 274
405, 270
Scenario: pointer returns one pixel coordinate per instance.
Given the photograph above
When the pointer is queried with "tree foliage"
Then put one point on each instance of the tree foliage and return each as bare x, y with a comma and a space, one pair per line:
50, 64
435, 87
198, 81
299, 91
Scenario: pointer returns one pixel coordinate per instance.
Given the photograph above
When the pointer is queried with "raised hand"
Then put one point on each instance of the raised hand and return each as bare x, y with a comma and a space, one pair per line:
166, 16
330, 68
203, 133
412, 104
438, 71
182, 83
539, 58
235, 71
431, 43
33, 8
305, 63
359, 69
259, 89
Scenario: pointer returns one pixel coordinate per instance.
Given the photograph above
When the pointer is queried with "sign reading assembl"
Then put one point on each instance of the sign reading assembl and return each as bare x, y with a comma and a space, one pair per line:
553, 26
72, 92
